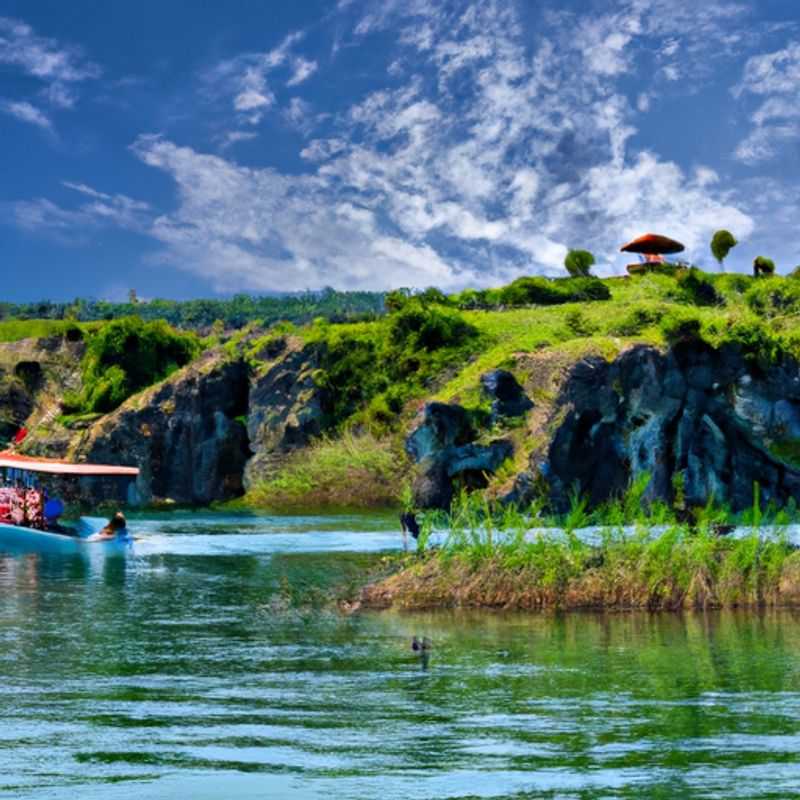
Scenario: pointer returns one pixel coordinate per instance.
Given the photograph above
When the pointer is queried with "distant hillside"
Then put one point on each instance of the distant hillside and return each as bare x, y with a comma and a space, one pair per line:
232, 313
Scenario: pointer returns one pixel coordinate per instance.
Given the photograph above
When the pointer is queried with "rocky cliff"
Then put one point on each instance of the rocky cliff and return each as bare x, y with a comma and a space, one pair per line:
701, 422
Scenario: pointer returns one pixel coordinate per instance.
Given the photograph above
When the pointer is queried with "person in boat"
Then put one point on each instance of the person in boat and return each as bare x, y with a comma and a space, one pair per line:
116, 528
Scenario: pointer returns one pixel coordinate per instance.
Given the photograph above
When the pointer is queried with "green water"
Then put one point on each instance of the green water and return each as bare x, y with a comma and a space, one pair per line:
203, 665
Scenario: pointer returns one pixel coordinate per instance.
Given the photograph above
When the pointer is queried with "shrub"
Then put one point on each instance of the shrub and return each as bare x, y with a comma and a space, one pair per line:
545, 292
578, 263
774, 297
678, 326
763, 266
637, 319
418, 326
374, 370
721, 244
579, 325
696, 289
795, 273
127, 355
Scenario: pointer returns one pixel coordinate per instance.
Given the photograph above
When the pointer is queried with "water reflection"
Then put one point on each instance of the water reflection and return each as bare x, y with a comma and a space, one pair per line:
210, 671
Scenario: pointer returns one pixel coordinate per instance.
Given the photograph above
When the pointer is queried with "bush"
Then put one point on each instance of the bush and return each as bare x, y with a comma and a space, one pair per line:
578, 263
375, 369
763, 266
678, 326
721, 244
637, 320
417, 326
774, 297
696, 289
546, 292
127, 355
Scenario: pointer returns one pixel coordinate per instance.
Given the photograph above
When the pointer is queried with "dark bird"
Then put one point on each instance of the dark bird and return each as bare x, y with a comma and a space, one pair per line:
420, 646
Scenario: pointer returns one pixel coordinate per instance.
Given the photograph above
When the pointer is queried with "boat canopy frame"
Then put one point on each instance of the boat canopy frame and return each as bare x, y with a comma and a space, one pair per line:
52, 466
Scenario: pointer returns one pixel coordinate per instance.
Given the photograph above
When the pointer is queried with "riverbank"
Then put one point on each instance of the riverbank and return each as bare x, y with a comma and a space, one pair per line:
679, 568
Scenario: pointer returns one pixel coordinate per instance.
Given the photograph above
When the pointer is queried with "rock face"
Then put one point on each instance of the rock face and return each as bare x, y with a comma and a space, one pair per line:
507, 396
703, 423
31, 370
185, 434
285, 412
443, 444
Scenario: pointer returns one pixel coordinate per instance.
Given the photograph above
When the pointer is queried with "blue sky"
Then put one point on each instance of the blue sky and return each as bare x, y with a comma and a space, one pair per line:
191, 149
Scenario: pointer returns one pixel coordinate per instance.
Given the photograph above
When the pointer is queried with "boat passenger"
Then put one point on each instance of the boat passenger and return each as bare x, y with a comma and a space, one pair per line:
115, 528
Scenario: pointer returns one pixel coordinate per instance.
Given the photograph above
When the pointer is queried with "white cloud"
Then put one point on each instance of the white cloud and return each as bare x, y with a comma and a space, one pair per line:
483, 159
245, 78
302, 70
25, 112
74, 224
776, 121
59, 67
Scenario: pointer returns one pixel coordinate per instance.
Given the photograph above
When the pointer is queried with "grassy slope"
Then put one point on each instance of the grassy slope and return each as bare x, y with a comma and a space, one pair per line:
638, 312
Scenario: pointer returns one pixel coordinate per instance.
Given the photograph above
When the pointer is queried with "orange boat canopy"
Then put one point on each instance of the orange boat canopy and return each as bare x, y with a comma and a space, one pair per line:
54, 467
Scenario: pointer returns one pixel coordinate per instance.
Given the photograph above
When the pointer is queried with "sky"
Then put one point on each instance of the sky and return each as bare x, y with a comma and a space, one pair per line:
196, 149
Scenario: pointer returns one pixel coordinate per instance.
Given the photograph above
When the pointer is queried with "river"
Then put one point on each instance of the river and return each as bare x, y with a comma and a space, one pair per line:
205, 665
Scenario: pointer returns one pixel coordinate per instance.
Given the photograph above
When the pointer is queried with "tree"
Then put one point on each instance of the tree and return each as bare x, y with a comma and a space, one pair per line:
721, 244
763, 266
578, 263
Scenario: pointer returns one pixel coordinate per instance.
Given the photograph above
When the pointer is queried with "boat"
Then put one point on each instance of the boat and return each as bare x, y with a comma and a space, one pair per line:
24, 528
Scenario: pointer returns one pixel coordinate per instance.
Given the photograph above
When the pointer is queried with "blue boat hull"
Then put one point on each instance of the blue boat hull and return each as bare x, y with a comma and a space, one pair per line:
18, 538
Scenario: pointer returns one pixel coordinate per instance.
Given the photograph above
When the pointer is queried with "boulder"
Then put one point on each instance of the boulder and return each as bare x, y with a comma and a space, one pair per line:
697, 418
443, 444
507, 396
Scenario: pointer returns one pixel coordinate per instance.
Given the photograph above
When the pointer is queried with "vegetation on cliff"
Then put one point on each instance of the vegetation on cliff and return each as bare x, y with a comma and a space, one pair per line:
126, 356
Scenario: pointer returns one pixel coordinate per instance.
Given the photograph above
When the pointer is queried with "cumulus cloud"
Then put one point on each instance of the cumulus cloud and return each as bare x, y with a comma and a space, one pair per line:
483, 158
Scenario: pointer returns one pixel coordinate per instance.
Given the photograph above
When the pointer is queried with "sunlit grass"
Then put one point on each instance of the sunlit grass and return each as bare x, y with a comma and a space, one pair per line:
353, 471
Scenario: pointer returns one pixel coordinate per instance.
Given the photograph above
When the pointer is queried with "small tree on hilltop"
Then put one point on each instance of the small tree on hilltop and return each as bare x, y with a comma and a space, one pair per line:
721, 244
795, 273
763, 266
579, 263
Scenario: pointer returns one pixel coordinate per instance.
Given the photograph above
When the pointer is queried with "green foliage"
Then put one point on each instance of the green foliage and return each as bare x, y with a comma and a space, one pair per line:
696, 289
375, 369
348, 472
763, 266
679, 325
636, 320
578, 324
578, 263
126, 356
774, 296
721, 244
234, 313
13, 330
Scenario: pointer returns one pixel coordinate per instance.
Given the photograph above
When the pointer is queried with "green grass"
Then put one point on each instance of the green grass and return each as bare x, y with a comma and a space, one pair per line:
14, 330
353, 471
489, 559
